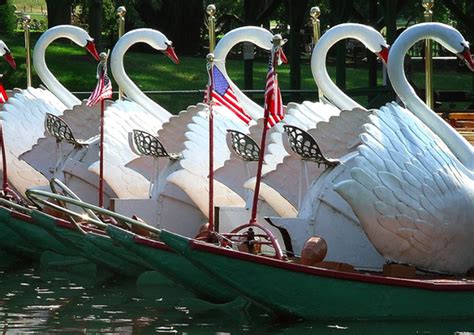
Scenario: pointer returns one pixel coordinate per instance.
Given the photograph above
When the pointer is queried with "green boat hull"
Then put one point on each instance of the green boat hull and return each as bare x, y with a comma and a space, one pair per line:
29, 228
174, 266
320, 294
119, 259
52, 252
94, 246
12, 242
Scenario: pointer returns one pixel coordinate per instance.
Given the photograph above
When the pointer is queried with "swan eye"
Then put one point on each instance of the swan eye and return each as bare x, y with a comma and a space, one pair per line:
465, 45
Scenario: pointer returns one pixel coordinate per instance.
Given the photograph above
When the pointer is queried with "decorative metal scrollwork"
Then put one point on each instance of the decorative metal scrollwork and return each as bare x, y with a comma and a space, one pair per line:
244, 146
305, 145
149, 145
59, 129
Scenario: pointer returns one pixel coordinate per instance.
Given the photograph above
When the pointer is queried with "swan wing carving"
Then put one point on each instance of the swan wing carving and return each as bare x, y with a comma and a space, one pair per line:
171, 135
340, 134
196, 155
84, 123
413, 197
9, 93
120, 119
195, 162
23, 119
329, 125
83, 120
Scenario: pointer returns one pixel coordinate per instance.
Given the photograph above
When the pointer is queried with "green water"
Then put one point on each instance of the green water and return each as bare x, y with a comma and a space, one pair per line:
35, 301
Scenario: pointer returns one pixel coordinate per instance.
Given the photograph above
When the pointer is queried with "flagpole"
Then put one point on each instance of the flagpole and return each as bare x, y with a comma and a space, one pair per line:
211, 11
210, 64
121, 11
103, 60
277, 41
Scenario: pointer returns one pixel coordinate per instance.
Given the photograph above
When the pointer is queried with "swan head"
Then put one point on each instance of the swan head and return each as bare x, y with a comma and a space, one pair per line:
154, 38
466, 56
451, 39
6, 53
90, 46
375, 42
383, 54
169, 51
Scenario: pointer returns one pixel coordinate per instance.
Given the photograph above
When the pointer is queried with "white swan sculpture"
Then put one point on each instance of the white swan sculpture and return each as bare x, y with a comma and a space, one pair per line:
412, 181
140, 112
73, 168
322, 212
23, 115
182, 187
335, 133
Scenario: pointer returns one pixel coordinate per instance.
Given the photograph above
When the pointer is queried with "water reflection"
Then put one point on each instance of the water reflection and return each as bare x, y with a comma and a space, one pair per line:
36, 301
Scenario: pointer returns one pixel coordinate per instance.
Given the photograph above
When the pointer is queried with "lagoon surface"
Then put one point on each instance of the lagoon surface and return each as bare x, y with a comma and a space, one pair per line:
36, 301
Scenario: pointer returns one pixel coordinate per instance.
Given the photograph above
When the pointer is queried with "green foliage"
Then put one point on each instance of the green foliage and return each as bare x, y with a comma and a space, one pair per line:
7, 18
109, 19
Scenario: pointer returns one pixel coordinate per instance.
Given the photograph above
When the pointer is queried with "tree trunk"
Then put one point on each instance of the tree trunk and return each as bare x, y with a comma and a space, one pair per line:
59, 12
252, 8
297, 12
95, 22
341, 10
180, 20
371, 58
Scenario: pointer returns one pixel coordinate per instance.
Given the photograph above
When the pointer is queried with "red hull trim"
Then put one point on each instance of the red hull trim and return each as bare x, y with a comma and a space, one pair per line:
151, 243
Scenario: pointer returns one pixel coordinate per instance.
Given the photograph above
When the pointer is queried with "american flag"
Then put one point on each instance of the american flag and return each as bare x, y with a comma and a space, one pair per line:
273, 102
223, 95
103, 90
3, 95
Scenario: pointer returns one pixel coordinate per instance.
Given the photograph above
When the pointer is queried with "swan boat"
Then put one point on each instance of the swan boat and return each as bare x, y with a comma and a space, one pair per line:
60, 230
431, 285
24, 113
95, 245
163, 260
74, 164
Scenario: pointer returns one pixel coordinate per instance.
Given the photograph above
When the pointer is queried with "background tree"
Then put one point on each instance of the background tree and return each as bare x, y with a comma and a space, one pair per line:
180, 20
298, 11
7, 17
96, 20
59, 12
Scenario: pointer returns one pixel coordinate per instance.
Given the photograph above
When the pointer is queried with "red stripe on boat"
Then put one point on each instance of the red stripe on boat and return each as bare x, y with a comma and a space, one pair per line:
151, 243
21, 216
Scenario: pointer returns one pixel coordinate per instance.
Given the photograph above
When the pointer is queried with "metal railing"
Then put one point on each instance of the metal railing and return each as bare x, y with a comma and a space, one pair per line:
354, 91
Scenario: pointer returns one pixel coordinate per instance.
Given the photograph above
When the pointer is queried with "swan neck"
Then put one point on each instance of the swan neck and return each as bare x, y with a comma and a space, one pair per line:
123, 80
48, 79
319, 69
459, 146
256, 35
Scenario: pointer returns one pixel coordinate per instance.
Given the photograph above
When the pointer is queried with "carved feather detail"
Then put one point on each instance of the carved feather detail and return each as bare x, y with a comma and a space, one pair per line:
413, 197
